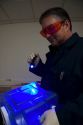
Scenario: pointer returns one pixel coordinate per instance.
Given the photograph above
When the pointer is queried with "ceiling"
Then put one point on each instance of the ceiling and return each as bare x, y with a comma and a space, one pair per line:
21, 11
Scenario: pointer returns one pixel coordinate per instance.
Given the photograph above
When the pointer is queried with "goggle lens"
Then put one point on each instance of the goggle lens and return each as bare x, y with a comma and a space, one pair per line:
51, 29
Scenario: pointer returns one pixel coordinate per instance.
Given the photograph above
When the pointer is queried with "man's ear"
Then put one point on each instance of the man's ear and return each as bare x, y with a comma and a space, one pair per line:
67, 25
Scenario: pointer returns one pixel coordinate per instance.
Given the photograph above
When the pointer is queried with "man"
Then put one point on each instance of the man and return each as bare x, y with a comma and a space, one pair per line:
63, 70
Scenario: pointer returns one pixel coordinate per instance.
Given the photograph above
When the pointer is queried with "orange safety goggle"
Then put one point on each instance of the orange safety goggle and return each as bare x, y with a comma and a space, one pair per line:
51, 29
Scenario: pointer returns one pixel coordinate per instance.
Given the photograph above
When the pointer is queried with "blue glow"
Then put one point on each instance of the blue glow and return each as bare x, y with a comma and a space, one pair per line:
26, 96
31, 66
30, 88
34, 91
31, 91
34, 84
25, 87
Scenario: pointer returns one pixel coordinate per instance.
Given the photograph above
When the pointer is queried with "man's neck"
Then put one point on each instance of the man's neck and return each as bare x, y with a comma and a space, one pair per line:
68, 35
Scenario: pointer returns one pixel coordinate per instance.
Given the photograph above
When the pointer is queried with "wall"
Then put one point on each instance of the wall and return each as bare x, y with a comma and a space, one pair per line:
17, 42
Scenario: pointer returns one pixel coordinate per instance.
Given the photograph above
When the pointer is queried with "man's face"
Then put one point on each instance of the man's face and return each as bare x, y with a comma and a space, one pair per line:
53, 29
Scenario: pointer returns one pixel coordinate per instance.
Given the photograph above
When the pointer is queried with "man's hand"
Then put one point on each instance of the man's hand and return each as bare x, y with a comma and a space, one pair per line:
34, 58
49, 118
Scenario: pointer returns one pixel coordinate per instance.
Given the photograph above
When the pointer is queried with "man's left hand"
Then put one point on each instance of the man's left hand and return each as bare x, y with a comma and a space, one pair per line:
49, 117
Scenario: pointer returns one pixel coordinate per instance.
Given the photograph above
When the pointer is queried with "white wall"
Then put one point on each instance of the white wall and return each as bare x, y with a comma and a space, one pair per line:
17, 42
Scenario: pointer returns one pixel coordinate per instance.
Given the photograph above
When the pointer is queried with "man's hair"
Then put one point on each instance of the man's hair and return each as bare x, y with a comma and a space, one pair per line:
56, 11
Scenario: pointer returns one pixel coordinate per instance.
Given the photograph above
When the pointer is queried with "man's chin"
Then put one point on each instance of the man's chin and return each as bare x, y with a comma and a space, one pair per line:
54, 43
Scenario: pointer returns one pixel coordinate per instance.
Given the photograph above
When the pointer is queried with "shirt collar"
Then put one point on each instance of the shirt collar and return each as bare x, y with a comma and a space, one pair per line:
68, 44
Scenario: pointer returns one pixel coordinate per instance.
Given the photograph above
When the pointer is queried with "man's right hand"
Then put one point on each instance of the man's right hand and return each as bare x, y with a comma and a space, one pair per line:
33, 59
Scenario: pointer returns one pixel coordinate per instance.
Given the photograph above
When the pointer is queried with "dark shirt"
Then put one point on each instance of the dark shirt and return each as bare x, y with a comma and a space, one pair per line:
63, 74
63, 70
